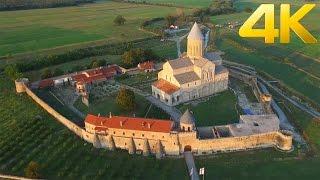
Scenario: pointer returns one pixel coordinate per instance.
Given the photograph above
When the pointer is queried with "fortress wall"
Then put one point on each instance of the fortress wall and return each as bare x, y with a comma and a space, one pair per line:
66, 122
168, 145
174, 143
271, 139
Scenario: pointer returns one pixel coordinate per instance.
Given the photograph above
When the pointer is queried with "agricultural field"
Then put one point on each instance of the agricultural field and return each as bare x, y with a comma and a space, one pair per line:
180, 3
33, 135
296, 45
32, 30
296, 65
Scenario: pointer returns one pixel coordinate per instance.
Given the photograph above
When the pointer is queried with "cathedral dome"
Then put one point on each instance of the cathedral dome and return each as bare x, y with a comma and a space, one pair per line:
187, 118
195, 33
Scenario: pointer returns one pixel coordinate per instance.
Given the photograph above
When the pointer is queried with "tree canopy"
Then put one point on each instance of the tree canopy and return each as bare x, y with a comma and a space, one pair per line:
133, 57
126, 99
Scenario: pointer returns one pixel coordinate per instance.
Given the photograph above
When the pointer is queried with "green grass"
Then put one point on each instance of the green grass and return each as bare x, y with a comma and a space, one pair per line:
310, 22
30, 30
184, 3
62, 154
46, 96
294, 79
218, 110
270, 164
108, 104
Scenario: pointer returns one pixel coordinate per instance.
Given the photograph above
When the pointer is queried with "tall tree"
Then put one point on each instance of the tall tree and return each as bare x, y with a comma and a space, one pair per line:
125, 99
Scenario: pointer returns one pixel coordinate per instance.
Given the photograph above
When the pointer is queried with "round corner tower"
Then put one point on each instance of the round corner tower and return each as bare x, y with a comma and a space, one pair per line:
21, 84
195, 44
187, 122
285, 140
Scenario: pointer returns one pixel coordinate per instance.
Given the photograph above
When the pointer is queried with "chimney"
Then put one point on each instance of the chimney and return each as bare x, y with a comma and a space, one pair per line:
99, 115
134, 115
121, 123
110, 115
149, 125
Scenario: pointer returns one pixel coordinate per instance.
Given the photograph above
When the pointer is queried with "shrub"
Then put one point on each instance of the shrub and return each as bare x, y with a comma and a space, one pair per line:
119, 20
33, 170
46, 73
12, 72
125, 99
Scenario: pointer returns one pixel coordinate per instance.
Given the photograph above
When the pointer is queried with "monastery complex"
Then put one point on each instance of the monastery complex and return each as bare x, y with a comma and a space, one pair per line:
165, 137
191, 76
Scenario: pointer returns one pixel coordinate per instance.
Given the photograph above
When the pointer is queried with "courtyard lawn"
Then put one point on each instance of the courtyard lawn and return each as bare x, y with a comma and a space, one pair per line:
108, 104
142, 81
48, 97
220, 109
28, 133
36, 29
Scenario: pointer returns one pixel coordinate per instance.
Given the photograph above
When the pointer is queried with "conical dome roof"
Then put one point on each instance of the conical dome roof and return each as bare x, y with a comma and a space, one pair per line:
187, 118
195, 32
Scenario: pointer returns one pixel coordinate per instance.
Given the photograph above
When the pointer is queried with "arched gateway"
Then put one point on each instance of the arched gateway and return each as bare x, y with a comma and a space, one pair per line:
187, 148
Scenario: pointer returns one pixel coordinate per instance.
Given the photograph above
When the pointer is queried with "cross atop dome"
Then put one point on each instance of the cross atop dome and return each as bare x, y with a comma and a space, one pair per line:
195, 32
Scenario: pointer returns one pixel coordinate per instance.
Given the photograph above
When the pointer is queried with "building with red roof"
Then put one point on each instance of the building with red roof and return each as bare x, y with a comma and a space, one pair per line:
84, 79
46, 83
147, 66
96, 75
100, 124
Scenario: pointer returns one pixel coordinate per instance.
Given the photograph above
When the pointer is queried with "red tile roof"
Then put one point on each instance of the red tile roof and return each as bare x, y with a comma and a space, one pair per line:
130, 123
146, 65
97, 74
46, 83
165, 86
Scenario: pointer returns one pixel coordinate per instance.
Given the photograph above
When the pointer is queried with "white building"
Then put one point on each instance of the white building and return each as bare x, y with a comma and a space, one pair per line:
191, 76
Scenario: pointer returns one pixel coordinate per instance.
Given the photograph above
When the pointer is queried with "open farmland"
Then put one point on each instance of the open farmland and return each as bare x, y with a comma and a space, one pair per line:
30, 30
296, 64
310, 21
183, 3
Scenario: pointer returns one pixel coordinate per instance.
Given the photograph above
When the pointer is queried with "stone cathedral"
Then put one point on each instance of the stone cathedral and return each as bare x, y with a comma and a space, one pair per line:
192, 75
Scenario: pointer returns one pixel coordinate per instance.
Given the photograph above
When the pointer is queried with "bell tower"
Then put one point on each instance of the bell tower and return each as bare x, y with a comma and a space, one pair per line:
195, 42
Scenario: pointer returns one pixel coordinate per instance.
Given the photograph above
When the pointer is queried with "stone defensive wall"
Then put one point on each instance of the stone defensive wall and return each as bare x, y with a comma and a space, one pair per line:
173, 143
279, 139
22, 87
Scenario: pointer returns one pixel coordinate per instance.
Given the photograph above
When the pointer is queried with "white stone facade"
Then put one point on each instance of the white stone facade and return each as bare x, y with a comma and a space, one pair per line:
191, 76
